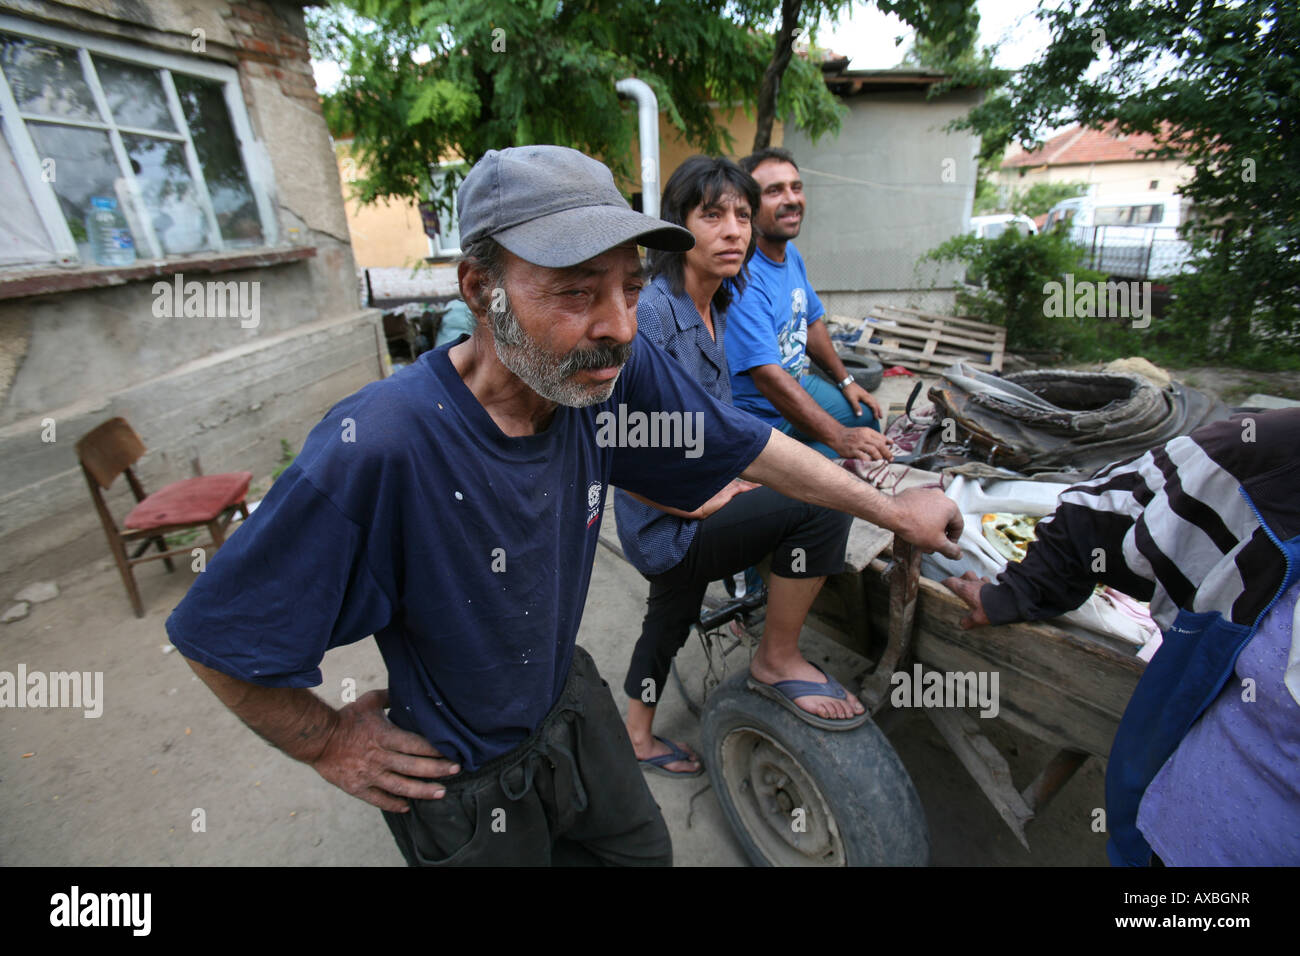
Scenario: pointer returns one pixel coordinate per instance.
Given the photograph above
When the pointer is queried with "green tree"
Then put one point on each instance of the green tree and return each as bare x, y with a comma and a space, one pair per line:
428, 80
797, 18
1041, 197
1007, 279
1217, 85
946, 27
434, 79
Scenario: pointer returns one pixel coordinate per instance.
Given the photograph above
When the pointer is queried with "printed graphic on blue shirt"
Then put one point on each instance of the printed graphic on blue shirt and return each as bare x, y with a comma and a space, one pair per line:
594, 496
792, 339
768, 325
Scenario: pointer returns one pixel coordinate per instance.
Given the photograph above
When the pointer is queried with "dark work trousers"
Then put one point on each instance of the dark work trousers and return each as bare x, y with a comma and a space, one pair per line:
805, 541
572, 794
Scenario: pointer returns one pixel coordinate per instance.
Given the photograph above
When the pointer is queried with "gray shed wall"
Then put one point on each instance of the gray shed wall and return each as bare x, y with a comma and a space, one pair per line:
878, 199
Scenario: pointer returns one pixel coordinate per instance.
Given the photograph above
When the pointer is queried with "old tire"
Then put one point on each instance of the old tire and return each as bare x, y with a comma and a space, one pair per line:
867, 370
859, 805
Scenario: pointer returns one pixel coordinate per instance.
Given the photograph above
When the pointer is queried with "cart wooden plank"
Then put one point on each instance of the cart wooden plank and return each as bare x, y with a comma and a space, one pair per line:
1061, 687
931, 333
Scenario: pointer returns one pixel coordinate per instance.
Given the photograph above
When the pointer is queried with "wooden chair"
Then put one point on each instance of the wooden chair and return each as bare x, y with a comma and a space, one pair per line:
205, 501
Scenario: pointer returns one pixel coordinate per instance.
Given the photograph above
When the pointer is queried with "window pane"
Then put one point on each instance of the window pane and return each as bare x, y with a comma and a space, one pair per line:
135, 95
170, 199
1112, 215
84, 168
223, 167
46, 79
1149, 214
22, 235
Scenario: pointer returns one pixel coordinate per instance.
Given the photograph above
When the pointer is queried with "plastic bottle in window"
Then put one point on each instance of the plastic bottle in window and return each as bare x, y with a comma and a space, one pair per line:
110, 237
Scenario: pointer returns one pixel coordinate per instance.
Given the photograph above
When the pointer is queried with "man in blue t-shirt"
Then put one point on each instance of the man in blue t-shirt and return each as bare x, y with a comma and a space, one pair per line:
453, 511
775, 327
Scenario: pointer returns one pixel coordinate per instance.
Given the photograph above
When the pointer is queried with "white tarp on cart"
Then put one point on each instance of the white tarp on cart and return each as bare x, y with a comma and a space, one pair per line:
1100, 613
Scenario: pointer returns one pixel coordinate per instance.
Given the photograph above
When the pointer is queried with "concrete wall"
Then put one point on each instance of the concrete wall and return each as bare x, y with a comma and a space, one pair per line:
893, 185
855, 305
385, 234
189, 386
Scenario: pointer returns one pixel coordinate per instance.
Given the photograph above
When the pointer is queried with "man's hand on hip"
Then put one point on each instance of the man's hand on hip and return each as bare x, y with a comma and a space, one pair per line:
736, 486
374, 760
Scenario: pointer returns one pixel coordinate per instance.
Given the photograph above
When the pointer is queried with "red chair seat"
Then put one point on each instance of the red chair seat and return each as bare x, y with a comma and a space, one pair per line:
191, 501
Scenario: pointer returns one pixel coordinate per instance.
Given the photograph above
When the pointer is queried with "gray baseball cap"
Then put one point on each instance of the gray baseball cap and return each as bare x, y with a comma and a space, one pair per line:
555, 207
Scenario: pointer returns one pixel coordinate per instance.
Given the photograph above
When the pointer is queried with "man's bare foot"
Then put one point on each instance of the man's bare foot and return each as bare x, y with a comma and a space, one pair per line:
796, 668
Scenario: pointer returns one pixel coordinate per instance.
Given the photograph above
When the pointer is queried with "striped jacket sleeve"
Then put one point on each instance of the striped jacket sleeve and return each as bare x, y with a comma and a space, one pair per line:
1172, 526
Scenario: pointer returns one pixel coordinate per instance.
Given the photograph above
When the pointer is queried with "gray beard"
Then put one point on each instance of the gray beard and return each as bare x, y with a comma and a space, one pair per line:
539, 370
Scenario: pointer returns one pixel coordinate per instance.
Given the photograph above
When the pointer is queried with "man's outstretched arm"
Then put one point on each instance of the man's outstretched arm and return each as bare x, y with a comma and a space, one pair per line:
355, 748
924, 516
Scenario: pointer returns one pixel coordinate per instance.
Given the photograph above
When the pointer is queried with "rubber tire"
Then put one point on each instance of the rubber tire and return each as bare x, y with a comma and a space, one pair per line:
868, 371
861, 778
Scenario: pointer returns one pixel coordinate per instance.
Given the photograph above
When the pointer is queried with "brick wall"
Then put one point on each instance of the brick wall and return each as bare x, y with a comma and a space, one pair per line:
271, 40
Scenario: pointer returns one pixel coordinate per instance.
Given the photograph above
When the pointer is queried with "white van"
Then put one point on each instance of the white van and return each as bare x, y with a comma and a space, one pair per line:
990, 227
1132, 235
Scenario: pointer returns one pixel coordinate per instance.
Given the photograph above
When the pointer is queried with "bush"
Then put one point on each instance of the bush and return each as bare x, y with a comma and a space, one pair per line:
1039, 198
1006, 281
1241, 306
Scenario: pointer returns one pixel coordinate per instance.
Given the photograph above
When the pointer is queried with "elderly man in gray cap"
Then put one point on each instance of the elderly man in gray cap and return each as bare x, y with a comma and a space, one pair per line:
452, 510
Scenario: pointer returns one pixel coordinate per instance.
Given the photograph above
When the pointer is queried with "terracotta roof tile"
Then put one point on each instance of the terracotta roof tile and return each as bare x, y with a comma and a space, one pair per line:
1080, 146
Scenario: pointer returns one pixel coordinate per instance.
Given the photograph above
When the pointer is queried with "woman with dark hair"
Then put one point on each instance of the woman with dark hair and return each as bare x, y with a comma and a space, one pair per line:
683, 311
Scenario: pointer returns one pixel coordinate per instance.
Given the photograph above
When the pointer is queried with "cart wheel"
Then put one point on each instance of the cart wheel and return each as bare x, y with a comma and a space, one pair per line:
858, 805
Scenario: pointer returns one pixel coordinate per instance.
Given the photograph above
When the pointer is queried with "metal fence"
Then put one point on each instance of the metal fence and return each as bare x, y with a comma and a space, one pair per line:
1133, 252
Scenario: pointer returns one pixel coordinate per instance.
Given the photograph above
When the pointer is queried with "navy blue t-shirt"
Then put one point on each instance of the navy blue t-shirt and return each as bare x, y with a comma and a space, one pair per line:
467, 553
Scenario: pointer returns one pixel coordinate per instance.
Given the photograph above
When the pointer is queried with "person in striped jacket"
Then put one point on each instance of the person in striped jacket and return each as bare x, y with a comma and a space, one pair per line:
1205, 766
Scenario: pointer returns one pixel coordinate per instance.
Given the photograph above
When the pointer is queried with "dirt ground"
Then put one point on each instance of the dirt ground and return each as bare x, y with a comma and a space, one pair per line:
168, 776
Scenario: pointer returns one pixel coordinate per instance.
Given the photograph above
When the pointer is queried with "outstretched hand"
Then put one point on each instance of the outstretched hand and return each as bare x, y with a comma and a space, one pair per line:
374, 760
967, 587
928, 519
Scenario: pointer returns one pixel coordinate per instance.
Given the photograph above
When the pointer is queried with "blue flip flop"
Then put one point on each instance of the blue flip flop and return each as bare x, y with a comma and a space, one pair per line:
784, 693
675, 753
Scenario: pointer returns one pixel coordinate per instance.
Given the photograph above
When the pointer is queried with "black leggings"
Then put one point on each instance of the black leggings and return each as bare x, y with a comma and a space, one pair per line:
805, 541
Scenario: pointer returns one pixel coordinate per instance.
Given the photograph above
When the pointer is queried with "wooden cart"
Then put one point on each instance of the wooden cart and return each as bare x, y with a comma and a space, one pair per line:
858, 804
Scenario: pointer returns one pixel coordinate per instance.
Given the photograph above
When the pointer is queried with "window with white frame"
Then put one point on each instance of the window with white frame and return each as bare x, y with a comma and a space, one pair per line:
447, 240
163, 137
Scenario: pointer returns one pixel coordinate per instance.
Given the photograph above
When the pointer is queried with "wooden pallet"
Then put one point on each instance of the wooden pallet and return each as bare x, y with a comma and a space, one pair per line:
928, 342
